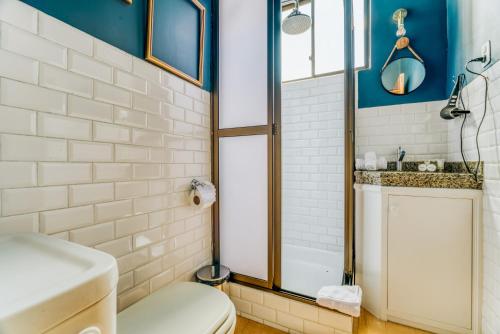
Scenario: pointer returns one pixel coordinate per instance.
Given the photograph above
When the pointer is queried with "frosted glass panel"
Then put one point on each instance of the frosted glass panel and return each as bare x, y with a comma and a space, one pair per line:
243, 213
242, 63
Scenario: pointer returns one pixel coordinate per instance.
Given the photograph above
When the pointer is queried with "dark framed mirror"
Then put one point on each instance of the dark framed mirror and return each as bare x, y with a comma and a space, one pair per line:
402, 76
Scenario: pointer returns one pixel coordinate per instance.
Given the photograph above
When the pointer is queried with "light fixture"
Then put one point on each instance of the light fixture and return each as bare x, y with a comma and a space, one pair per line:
399, 17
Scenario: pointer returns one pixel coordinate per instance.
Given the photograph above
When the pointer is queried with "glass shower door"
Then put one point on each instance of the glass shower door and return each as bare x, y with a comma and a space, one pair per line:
312, 184
312, 151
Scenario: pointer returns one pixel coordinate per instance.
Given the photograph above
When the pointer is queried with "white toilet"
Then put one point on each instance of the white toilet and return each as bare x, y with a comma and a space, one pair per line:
54, 286
187, 308
58, 287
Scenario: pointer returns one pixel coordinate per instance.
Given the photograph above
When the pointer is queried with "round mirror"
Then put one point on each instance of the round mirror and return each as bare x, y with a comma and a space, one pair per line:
402, 76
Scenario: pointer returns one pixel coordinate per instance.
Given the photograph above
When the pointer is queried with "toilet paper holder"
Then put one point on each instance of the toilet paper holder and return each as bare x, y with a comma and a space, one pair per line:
195, 184
195, 199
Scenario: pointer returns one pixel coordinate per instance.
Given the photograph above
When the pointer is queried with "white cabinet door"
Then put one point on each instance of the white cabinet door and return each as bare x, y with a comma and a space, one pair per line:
430, 260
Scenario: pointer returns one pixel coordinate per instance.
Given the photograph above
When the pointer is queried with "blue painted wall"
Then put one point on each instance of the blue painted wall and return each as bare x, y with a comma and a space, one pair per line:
117, 23
455, 60
427, 29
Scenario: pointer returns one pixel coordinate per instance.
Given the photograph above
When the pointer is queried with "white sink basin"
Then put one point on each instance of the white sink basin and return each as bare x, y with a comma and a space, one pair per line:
45, 281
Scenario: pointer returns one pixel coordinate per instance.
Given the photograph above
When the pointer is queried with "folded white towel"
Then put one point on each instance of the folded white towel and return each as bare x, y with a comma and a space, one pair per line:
345, 298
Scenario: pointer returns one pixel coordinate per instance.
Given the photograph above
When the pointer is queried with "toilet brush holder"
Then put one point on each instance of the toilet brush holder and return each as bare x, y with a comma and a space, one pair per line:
213, 275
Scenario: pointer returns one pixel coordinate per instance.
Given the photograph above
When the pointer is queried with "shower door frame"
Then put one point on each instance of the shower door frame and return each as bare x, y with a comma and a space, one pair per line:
268, 130
349, 147
274, 145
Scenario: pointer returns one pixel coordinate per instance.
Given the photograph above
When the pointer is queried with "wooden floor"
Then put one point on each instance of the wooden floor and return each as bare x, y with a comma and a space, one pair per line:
368, 324
247, 326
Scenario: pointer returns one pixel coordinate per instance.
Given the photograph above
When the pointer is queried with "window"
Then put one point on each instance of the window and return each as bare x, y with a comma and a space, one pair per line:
320, 50
296, 50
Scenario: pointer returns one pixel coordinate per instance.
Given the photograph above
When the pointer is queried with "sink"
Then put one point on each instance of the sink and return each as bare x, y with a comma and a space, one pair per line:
45, 281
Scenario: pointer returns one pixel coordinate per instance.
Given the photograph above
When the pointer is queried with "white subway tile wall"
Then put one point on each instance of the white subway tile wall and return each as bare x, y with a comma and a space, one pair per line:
416, 127
89, 150
313, 163
489, 143
285, 314
98, 147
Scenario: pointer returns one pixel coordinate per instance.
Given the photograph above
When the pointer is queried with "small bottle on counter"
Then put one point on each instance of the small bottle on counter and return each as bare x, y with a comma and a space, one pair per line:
431, 167
440, 165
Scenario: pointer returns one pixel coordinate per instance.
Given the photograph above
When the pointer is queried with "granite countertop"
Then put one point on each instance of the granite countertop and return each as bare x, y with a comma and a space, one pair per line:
453, 177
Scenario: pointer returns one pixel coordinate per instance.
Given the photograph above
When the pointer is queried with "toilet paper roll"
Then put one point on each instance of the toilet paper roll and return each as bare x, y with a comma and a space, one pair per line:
381, 163
371, 164
370, 161
202, 194
372, 156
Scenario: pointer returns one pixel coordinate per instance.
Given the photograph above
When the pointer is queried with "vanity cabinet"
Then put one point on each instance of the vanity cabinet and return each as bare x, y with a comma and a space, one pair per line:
417, 256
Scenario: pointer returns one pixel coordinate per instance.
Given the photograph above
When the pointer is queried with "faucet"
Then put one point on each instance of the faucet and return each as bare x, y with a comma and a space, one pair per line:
399, 159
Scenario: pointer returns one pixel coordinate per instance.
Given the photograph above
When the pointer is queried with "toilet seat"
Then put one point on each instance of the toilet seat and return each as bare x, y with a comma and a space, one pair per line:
229, 325
187, 308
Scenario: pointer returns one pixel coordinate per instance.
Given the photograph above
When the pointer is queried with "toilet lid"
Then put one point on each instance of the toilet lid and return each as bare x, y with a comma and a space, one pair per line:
229, 324
187, 308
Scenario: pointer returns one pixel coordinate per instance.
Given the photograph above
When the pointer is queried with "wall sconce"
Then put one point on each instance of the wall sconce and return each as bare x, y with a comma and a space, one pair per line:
129, 2
399, 18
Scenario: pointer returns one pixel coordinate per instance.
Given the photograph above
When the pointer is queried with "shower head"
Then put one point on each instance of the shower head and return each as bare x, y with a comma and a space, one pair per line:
297, 22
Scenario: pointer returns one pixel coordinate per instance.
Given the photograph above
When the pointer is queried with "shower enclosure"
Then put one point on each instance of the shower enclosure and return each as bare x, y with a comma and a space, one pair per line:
314, 140
283, 143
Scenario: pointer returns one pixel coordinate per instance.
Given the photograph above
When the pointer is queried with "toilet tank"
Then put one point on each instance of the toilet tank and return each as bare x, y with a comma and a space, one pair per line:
54, 286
